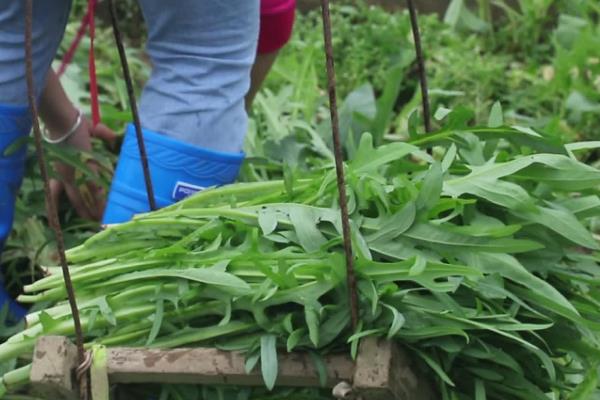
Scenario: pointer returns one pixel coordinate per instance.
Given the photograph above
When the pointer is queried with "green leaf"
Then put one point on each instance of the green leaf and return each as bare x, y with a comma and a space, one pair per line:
579, 103
251, 362
188, 335
105, 309
435, 366
413, 124
295, 338
449, 158
561, 173
418, 267
505, 194
267, 219
288, 323
394, 226
156, 322
398, 321
480, 390
48, 323
429, 234
562, 222
304, 220
441, 113
387, 101
203, 275
335, 323
367, 288
368, 159
431, 189
484, 182
227, 315
268, 360
320, 366
586, 389
577, 146
312, 321
453, 12
496, 118
15, 146
510, 268
582, 207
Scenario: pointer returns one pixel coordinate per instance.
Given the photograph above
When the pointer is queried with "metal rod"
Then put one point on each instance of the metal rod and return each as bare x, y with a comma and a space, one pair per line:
51, 207
133, 105
414, 22
339, 164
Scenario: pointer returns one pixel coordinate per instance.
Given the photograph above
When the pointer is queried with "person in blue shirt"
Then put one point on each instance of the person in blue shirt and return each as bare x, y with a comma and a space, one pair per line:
192, 109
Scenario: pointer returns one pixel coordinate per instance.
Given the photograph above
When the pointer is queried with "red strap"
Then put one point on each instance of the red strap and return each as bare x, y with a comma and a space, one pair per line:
68, 58
92, 65
87, 21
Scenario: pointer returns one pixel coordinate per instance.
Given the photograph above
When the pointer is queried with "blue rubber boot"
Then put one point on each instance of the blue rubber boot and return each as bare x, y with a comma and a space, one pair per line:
15, 124
178, 170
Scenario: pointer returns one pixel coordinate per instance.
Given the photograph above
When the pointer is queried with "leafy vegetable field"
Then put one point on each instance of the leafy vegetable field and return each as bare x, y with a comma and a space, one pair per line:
480, 256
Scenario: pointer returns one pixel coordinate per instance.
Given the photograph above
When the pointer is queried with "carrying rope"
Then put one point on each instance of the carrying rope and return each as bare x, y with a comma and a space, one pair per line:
70, 54
133, 105
92, 64
339, 164
52, 212
414, 22
88, 21
337, 147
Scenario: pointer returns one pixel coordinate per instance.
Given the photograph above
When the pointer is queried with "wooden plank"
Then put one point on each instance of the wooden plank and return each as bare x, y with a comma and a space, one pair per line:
383, 372
209, 366
54, 358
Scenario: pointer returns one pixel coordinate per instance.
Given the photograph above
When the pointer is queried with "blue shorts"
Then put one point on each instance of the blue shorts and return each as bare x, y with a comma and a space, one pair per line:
202, 52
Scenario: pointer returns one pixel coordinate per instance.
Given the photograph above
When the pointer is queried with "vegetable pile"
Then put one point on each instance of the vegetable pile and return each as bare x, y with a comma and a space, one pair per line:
479, 262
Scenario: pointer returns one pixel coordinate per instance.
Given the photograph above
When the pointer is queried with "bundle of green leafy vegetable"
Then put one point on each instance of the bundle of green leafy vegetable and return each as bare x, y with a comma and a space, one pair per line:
479, 262
539, 58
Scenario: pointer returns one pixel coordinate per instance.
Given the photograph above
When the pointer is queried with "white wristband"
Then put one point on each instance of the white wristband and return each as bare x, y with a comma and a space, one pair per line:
67, 135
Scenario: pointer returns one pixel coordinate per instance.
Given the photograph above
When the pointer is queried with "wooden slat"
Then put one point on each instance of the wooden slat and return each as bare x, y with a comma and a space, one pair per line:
54, 358
382, 370
214, 367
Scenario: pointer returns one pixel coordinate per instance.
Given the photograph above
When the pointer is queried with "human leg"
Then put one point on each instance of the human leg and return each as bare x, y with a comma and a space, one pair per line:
202, 52
48, 26
192, 108
49, 19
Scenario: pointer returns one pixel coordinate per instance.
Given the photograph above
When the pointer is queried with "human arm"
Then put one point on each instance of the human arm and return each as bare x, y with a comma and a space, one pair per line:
59, 116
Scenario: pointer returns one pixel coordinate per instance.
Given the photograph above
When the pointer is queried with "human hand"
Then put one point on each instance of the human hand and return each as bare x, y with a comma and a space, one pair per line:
60, 116
87, 199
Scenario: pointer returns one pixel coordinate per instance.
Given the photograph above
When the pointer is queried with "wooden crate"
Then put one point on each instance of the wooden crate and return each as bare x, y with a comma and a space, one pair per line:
381, 371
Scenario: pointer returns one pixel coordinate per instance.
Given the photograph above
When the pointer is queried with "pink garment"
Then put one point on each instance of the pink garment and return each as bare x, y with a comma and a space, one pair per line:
276, 24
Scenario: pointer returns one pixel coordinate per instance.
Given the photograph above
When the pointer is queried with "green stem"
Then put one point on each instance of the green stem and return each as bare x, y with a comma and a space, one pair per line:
141, 223
17, 378
83, 253
225, 192
88, 273
201, 334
